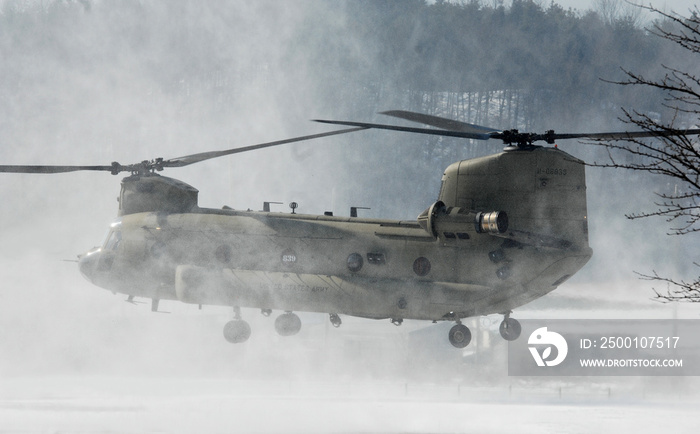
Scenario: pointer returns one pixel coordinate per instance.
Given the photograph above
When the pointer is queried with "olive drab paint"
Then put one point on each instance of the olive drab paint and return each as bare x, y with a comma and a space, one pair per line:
507, 229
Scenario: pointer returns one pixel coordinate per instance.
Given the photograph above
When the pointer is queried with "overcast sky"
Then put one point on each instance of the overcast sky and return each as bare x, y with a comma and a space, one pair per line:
679, 6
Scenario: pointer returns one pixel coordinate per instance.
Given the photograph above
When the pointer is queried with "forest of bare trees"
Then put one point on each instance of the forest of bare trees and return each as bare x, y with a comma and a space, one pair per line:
525, 66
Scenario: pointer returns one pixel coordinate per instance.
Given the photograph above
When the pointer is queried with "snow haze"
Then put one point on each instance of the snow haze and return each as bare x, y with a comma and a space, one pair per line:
95, 82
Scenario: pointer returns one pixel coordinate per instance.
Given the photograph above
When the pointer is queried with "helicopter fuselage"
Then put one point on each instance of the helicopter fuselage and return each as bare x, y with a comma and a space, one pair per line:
484, 247
294, 262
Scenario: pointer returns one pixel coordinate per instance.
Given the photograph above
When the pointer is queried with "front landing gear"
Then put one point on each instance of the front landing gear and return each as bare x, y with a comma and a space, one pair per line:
460, 336
288, 324
510, 328
237, 331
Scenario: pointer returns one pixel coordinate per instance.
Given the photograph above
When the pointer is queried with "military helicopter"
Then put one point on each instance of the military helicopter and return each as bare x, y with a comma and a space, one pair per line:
505, 229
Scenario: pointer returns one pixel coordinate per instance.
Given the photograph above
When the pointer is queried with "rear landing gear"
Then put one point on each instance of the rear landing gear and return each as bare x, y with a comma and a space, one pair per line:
510, 328
460, 336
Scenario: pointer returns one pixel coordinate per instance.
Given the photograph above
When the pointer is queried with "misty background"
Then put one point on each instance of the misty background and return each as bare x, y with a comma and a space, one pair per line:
91, 82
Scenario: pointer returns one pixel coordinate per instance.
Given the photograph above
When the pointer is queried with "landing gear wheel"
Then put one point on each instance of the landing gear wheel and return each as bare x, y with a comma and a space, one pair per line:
510, 329
288, 324
237, 331
460, 336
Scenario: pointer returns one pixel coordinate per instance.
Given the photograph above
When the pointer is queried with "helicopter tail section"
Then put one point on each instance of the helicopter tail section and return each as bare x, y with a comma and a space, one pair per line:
541, 190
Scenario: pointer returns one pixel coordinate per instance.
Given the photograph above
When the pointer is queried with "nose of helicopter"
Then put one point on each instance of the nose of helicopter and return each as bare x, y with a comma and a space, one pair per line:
87, 263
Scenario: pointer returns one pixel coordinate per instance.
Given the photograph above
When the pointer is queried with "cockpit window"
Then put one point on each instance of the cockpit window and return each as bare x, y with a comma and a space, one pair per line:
113, 240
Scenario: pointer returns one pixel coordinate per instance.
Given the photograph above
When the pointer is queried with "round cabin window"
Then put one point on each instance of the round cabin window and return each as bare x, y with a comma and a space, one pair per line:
421, 266
355, 262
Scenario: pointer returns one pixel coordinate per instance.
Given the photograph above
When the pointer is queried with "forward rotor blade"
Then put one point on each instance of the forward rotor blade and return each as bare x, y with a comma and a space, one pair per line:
196, 158
433, 132
159, 164
438, 122
51, 169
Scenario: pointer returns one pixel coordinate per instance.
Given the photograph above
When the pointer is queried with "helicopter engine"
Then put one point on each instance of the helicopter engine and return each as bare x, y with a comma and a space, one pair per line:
155, 193
441, 221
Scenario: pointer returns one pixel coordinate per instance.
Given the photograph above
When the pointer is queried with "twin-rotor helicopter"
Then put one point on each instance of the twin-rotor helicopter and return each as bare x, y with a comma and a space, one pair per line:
505, 229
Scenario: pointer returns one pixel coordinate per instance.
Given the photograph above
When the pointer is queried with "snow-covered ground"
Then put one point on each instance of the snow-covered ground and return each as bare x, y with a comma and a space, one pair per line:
127, 370
211, 405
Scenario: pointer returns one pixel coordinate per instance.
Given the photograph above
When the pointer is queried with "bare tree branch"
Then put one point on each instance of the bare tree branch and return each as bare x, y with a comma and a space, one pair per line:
675, 156
675, 290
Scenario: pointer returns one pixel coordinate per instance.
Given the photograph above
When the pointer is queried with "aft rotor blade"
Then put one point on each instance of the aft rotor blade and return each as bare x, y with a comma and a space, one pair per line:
438, 122
623, 135
363, 125
516, 137
196, 158
452, 125
51, 169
